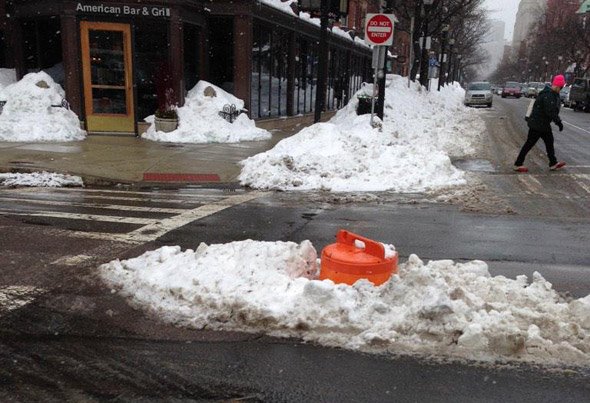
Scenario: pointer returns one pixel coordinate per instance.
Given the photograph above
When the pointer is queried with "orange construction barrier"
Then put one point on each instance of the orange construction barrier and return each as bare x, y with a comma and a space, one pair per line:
344, 262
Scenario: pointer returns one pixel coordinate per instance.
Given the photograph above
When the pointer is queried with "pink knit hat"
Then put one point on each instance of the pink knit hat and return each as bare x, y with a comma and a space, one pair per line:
558, 81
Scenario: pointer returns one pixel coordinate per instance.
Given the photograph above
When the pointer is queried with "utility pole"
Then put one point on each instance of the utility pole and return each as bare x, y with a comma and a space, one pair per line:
320, 97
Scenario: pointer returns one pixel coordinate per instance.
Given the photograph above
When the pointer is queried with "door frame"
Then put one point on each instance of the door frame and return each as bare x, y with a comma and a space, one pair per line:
104, 122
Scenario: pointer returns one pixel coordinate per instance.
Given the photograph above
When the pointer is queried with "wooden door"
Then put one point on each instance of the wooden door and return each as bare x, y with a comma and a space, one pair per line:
108, 79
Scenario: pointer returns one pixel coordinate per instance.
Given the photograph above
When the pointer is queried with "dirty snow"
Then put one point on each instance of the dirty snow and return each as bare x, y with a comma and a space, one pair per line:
39, 179
200, 122
441, 307
420, 132
29, 115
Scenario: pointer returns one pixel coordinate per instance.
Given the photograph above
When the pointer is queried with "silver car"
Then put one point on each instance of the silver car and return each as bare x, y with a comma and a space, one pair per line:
478, 93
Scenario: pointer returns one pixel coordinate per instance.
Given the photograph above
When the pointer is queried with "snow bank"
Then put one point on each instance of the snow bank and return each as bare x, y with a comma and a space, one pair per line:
441, 308
200, 122
412, 152
29, 115
39, 179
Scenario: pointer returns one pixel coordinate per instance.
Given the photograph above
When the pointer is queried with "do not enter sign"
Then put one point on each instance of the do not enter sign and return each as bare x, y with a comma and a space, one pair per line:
379, 29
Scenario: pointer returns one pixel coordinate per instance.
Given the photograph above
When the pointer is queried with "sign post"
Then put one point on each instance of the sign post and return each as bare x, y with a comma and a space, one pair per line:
379, 33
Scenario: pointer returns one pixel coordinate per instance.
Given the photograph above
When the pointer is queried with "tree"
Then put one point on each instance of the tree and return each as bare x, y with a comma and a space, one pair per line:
466, 26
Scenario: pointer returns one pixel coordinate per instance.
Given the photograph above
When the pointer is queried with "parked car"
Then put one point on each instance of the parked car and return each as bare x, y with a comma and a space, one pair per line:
478, 93
564, 95
580, 94
533, 89
511, 89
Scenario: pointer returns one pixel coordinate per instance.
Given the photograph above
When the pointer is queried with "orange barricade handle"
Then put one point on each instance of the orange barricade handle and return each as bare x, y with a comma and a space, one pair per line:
371, 247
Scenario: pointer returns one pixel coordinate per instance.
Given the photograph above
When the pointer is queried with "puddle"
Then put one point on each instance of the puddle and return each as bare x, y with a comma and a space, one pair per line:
476, 165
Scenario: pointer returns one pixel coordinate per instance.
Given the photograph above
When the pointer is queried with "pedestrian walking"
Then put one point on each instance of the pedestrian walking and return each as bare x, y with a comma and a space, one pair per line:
545, 110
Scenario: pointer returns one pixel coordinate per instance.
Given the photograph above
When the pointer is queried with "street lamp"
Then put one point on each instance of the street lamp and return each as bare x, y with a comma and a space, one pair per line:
546, 69
560, 58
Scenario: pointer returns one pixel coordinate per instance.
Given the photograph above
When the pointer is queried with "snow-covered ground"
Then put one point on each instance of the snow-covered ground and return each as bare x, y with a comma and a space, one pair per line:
437, 308
39, 179
199, 120
7, 77
411, 152
33, 113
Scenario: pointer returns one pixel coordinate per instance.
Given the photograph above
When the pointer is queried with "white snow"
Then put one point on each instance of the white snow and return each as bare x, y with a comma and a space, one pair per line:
199, 120
421, 130
440, 308
39, 179
29, 115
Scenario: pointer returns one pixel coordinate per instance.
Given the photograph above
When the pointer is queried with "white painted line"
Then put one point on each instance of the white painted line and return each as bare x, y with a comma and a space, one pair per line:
84, 190
157, 229
583, 182
379, 29
135, 199
87, 217
118, 207
531, 184
16, 296
577, 127
72, 260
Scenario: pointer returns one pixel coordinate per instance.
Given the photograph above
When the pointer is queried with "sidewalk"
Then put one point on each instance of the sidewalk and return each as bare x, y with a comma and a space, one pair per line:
108, 160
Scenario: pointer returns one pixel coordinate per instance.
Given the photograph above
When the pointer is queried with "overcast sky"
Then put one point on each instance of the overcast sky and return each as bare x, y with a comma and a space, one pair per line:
504, 10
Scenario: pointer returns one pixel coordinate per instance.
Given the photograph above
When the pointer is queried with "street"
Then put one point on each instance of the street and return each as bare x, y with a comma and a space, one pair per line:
64, 335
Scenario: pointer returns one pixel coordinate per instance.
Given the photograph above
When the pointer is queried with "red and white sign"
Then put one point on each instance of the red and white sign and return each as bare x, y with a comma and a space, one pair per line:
379, 29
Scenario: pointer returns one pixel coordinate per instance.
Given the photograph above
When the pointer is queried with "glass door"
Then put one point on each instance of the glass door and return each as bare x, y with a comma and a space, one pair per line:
108, 87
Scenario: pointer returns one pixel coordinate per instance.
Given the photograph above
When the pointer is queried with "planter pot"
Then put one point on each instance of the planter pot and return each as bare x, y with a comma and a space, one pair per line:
166, 125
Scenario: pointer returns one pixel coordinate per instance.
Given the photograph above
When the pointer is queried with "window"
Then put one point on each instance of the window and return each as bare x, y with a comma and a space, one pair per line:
42, 47
2, 50
191, 56
221, 52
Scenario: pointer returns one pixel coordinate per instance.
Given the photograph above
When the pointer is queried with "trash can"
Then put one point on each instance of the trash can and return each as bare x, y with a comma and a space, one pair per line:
364, 106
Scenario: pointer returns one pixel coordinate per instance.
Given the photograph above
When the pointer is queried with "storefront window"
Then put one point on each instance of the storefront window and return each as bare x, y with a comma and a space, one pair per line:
191, 56
42, 47
306, 77
2, 50
221, 52
152, 70
270, 52
107, 72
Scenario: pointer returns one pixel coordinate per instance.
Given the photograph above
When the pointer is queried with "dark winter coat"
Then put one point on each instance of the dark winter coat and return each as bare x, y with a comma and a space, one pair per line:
545, 111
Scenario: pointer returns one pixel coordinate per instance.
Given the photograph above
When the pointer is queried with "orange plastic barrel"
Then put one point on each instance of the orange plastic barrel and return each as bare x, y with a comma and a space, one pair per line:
344, 262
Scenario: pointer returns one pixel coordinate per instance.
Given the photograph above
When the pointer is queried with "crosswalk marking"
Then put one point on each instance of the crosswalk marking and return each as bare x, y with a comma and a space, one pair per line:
583, 180
43, 203
120, 207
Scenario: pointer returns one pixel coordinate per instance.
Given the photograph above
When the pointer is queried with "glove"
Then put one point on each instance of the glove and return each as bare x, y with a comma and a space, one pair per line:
560, 125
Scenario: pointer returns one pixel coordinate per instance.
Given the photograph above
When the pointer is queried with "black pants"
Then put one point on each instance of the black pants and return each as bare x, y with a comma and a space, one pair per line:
531, 140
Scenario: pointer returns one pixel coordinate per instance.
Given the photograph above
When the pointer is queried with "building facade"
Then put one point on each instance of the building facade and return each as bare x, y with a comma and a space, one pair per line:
119, 61
529, 12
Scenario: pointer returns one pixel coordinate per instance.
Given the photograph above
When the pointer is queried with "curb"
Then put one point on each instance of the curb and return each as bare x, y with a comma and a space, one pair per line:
99, 181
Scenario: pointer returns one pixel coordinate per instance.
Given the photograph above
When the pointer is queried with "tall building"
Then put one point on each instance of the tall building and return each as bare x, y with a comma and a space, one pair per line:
494, 46
529, 12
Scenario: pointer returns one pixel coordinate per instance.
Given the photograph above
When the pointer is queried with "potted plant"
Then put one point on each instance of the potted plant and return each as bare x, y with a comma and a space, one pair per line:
166, 117
166, 120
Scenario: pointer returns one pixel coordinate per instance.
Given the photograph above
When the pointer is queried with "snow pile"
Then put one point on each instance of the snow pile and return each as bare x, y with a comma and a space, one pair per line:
39, 179
29, 115
421, 130
441, 308
199, 120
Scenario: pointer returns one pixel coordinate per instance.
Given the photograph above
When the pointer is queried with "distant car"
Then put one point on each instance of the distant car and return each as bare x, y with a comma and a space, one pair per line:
564, 95
580, 94
533, 89
478, 93
511, 89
